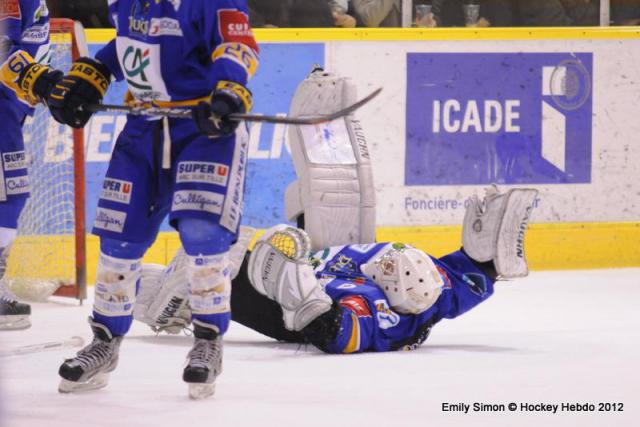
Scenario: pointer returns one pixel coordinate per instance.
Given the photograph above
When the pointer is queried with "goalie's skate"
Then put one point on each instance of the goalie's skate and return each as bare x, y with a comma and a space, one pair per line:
494, 230
14, 315
90, 369
204, 362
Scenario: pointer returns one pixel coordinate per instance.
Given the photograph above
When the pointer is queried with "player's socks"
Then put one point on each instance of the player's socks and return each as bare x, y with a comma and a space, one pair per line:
90, 369
204, 361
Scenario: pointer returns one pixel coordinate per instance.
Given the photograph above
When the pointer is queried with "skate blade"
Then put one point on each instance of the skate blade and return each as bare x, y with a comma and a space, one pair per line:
201, 391
97, 382
14, 323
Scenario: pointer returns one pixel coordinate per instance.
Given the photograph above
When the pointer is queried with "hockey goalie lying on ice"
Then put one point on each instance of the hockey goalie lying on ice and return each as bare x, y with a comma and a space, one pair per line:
331, 285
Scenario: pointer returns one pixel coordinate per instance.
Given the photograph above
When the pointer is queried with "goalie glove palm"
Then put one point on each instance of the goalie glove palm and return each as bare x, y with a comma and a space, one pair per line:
86, 83
212, 118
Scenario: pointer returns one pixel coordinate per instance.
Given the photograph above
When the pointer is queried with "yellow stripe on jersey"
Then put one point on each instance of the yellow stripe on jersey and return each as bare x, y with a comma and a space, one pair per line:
239, 53
354, 341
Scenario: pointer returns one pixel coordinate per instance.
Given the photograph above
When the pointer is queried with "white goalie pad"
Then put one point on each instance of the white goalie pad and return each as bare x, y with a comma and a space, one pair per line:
494, 229
279, 270
334, 189
163, 297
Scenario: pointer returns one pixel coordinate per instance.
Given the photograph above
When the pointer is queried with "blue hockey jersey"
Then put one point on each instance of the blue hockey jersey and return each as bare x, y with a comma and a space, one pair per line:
24, 25
368, 321
175, 51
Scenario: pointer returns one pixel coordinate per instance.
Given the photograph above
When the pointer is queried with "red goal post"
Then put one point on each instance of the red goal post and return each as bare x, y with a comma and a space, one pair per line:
50, 250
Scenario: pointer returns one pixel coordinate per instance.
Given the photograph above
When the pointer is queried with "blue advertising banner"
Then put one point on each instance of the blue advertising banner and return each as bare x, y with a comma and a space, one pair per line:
270, 167
505, 118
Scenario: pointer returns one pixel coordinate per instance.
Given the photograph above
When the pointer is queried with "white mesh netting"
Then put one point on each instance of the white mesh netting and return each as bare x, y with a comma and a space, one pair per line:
43, 255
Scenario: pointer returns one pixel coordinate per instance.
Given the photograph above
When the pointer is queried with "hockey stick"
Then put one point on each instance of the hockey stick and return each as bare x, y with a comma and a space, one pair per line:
185, 113
36, 348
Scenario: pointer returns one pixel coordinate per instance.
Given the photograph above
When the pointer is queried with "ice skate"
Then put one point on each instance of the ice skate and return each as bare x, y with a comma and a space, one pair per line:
14, 315
494, 229
90, 369
204, 362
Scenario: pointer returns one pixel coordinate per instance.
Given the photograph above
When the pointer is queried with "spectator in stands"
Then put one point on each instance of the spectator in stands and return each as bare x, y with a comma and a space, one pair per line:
377, 13
558, 13
495, 13
290, 13
625, 12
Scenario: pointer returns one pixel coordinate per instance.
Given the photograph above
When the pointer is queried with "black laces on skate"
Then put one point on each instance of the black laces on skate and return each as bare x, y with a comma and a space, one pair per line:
205, 353
94, 355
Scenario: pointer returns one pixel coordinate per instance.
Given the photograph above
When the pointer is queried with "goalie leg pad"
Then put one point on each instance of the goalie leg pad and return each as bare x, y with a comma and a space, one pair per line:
334, 189
289, 281
115, 292
494, 230
163, 297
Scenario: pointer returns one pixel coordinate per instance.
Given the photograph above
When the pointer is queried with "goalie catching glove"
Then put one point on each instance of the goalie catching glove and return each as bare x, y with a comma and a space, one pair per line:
31, 81
86, 83
212, 118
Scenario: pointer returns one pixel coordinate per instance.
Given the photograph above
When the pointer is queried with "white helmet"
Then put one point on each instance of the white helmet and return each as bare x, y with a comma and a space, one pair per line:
408, 277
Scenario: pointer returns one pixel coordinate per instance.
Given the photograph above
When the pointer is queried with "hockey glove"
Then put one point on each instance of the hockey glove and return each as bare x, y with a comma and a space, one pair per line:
30, 81
228, 98
38, 80
86, 83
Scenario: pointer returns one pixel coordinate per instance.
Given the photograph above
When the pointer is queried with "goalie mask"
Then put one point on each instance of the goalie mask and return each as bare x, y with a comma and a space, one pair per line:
408, 277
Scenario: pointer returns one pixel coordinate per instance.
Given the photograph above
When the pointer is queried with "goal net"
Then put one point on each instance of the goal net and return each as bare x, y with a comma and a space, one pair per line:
49, 252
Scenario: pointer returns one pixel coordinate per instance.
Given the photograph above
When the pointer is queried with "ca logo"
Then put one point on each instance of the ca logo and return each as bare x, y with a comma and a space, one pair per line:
134, 63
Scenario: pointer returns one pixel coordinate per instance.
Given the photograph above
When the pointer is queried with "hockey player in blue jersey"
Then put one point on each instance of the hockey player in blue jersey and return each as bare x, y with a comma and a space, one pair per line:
171, 53
359, 297
331, 284
388, 296
24, 82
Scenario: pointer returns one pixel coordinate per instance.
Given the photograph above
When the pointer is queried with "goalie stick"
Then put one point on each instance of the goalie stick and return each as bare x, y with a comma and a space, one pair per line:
185, 113
45, 346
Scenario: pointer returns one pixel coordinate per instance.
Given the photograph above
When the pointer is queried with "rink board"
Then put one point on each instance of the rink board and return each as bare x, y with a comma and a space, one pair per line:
552, 109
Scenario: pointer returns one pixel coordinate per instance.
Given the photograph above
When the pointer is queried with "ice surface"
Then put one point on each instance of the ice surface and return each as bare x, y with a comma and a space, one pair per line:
553, 337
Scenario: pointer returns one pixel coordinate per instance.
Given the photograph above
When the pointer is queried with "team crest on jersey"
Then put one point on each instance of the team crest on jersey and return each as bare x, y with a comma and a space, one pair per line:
10, 9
